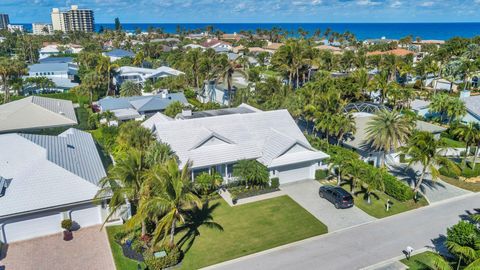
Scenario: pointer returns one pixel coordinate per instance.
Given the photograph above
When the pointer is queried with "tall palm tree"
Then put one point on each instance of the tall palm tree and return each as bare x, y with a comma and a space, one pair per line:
387, 131
107, 68
423, 149
455, 109
169, 196
344, 123
361, 79
124, 182
380, 83
468, 134
373, 180
130, 88
5, 74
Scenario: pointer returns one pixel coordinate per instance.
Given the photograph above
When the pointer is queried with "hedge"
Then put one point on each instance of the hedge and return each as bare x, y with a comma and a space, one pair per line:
321, 174
397, 189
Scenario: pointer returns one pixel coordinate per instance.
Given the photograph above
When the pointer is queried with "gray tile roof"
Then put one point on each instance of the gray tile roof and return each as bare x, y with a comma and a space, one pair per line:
119, 53
73, 150
49, 67
238, 110
36, 112
141, 103
473, 105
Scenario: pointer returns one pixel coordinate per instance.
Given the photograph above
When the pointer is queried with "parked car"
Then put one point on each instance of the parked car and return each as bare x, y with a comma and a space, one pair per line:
336, 195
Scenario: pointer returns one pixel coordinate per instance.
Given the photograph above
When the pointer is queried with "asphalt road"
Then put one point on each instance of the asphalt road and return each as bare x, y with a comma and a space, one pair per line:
364, 245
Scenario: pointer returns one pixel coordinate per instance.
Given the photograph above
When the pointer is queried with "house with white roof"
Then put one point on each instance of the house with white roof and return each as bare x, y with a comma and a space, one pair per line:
118, 54
139, 107
359, 140
34, 112
56, 49
62, 73
46, 179
215, 142
141, 75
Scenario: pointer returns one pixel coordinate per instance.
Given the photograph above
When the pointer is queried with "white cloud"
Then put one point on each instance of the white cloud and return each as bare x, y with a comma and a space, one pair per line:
427, 4
396, 4
367, 3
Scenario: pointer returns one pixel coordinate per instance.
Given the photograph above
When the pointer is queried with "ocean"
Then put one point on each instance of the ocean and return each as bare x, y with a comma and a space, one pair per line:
362, 31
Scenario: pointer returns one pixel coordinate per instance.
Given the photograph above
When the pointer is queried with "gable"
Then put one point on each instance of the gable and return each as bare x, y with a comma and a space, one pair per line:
295, 149
213, 139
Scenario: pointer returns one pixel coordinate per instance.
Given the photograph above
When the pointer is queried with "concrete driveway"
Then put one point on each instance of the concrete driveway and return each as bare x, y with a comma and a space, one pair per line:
89, 249
305, 193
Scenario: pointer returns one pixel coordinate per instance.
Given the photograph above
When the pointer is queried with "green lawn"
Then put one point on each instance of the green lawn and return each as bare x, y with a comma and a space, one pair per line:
377, 208
247, 229
121, 262
418, 261
452, 143
475, 187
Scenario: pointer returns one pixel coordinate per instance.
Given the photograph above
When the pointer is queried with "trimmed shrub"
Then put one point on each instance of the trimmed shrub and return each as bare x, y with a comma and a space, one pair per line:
274, 182
397, 189
321, 174
174, 256
446, 172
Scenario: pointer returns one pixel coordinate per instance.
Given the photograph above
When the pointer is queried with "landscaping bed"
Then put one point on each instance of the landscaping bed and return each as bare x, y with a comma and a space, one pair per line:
472, 186
247, 229
241, 192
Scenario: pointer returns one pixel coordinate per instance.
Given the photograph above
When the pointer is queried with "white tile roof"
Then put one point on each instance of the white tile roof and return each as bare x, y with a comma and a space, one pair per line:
36, 112
36, 182
229, 138
156, 118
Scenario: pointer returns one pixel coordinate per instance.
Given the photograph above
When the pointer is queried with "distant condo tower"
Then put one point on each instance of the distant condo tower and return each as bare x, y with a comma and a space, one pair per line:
74, 19
4, 21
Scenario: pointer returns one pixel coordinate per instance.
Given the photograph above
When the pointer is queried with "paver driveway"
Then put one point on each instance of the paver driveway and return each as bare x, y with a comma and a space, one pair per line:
305, 193
89, 249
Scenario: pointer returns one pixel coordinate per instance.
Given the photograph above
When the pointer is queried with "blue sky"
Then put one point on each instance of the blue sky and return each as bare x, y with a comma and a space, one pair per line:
174, 11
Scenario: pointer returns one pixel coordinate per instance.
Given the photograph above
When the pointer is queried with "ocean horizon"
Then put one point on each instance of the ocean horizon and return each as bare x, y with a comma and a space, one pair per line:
362, 31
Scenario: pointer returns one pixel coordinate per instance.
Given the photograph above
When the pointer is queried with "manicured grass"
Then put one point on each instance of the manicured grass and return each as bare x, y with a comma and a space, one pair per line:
251, 228
475, 187
452, 143
377, 208
121, 262
247, 229
418, 261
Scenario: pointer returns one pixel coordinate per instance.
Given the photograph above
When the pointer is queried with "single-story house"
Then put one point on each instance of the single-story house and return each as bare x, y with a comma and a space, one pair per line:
218, 142
141, 75
241, 109
472, 103
52, 49
139, 107
358, 141
217, 44
117, 54
63, 74
46, 179
34, 112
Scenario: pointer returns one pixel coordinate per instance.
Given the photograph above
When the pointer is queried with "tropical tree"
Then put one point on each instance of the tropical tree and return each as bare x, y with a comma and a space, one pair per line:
174, 108
387, 131
168, 195
469, 134
130, 88
107, 68
372, 181
422, 148
344, 124
252, 172
463, 242
205, 183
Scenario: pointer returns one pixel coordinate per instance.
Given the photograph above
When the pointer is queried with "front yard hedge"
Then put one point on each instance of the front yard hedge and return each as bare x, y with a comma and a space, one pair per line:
397, 189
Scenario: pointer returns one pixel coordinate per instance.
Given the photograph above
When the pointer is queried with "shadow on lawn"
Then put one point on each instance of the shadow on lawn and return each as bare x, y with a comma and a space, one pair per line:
194, 219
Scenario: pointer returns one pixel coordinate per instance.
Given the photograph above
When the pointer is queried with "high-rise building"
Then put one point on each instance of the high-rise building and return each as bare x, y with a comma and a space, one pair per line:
4, 21
42, 29
74, 19
58, 20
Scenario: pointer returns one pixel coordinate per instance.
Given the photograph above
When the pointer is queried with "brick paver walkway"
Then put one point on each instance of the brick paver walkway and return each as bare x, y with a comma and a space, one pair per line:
89, 249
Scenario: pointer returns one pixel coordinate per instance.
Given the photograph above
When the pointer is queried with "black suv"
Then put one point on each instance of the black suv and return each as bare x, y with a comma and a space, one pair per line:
336, 195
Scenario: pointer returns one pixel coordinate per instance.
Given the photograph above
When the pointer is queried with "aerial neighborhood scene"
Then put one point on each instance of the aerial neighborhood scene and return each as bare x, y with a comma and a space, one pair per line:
150, 135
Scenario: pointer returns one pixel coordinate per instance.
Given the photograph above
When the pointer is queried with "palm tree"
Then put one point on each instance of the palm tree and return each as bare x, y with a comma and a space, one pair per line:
124, 182
455, 109
423, 149
353, 168
468, 134
105, 66
380, 83
361, 79
5, 73
130, 88
345, 123
387, 131
373, 180
169, 196
252, 172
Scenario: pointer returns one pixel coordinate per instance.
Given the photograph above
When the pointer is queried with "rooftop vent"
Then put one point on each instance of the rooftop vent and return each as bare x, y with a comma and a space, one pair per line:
4, 183
70, 146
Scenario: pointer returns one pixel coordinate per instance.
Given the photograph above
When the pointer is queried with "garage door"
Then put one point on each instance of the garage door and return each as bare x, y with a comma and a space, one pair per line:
294, 173
88, 216
34, 226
